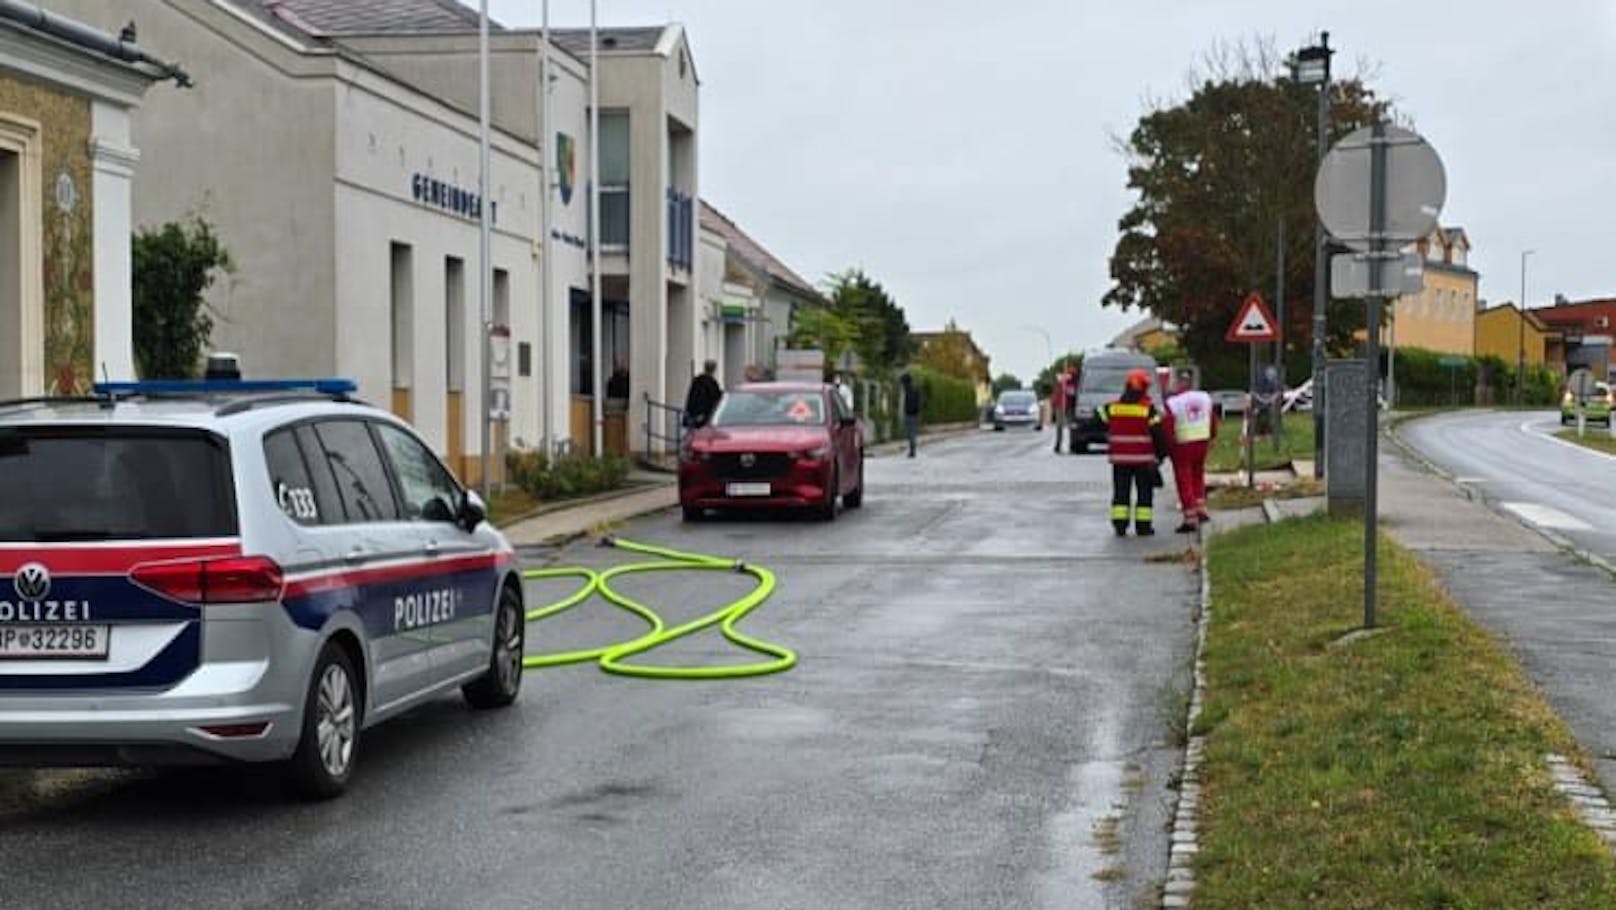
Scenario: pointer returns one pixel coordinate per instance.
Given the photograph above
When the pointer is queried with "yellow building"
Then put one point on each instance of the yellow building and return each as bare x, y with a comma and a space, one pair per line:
1499, 333
1442, 317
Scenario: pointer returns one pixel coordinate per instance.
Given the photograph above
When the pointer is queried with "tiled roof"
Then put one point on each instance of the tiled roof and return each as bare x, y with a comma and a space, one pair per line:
752, 251
575, 41
320, 18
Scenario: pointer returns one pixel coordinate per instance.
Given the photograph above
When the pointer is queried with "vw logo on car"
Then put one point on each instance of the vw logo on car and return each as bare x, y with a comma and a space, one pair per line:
33, 582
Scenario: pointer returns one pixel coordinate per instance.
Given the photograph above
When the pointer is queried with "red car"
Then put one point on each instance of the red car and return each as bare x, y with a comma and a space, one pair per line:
774, 445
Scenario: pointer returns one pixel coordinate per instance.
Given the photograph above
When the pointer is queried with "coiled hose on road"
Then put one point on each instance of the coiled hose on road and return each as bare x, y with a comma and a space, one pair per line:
615, 658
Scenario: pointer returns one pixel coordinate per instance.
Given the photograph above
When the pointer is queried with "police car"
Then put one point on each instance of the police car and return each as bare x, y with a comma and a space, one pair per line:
237, 571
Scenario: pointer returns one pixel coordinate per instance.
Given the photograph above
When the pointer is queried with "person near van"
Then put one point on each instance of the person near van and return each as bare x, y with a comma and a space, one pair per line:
703, 397
911, 410
1192, 421
1137, 446
1063, 402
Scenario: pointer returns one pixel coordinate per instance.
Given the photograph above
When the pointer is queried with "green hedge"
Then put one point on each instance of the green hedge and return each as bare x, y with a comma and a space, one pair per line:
1422, 380
944, 399
566, 476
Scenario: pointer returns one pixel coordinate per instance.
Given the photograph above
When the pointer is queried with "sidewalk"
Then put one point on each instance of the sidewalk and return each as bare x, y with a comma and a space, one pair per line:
573, 519
1552, 609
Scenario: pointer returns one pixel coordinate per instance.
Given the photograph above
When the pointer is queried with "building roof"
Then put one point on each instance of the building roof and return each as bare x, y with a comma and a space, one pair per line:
753, 252
640, 39
325, 18
119, 50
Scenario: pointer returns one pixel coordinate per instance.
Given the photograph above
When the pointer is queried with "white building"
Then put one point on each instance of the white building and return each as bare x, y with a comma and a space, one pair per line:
66, 166
334, 145
754, 302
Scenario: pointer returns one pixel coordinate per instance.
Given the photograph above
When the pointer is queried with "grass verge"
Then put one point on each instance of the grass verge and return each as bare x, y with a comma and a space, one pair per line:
1225, 498
1597, 439
1229, 455
1402, 770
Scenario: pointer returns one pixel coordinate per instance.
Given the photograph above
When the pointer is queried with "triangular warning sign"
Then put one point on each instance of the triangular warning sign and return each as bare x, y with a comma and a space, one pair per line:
1254, 323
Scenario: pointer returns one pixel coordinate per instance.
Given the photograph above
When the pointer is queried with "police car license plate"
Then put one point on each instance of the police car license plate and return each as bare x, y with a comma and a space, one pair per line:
54, 642
749, 489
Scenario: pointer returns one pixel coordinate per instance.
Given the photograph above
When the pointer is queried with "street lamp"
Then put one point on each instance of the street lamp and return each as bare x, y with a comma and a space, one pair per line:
1049, 344
1311, 66
1520, 335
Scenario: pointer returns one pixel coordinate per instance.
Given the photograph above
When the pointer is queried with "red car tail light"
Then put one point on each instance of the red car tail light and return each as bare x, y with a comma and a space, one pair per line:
231, 580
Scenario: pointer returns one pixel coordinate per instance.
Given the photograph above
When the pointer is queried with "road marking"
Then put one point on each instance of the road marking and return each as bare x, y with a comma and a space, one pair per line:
1547, 517
1528, 429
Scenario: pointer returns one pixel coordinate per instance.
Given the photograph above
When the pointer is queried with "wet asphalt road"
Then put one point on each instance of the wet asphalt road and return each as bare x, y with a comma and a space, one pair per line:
980, 719
1512, 459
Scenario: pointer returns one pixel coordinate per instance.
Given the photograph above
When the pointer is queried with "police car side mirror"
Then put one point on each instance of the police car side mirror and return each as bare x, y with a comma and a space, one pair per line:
473, 511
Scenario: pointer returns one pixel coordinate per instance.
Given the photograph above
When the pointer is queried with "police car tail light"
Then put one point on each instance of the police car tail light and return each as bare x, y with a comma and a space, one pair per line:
235, 579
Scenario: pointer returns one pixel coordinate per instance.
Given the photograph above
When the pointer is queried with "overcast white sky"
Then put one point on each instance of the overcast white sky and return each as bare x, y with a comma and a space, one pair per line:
959, 151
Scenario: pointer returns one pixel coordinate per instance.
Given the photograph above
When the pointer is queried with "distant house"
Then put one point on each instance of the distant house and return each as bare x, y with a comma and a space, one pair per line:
1500, 333
1585, 328
1146, 335
955, 352
1442, 316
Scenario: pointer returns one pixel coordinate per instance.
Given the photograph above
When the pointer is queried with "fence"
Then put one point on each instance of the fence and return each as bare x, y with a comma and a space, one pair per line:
663, 423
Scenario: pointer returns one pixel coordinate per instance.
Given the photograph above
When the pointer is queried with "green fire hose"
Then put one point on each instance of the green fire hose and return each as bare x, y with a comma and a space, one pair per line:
615, 658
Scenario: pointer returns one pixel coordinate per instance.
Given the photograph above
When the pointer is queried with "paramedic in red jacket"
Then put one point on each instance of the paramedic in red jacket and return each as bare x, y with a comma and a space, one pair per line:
1192, 423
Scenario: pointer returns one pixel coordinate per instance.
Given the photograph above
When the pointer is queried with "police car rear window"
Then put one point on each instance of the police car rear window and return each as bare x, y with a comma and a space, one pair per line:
120, 483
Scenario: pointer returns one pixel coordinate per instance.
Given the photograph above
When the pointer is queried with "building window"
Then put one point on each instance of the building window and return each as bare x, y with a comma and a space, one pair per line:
614, 174
402, 306
502, 298
582, 344
454, 322
524, 359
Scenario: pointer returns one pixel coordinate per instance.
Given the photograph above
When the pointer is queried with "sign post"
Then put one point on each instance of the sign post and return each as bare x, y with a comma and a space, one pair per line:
1581, 384
1253, 325
1403, 180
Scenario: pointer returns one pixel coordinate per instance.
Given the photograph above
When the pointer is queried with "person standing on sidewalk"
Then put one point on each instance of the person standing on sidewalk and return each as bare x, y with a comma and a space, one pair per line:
1137, 444
911, 410
703, 396
1192, 422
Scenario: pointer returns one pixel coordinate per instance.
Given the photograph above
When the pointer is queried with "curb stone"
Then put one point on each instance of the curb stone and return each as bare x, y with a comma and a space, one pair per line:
1589, 802
1184, 838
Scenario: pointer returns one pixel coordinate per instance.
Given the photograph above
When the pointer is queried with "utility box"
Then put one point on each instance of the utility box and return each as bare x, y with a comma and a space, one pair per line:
1346, 421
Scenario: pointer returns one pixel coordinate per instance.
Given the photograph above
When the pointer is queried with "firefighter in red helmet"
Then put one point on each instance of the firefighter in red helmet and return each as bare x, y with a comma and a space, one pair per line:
1137, 443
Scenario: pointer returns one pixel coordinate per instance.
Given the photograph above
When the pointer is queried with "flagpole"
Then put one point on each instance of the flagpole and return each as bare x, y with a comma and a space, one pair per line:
594, 233
546, 368
483, 215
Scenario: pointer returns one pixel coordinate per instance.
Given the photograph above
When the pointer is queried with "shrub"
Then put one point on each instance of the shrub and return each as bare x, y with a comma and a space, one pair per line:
944, 399
565, 476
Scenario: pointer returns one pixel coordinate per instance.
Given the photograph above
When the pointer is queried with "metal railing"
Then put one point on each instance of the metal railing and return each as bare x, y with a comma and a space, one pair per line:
667, 416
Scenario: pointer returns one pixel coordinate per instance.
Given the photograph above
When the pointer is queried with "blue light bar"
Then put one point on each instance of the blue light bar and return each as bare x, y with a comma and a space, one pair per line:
329, 386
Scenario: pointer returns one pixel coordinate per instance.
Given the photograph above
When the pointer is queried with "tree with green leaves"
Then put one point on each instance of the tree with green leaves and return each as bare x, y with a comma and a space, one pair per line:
1215, 175
1005, 382
824, 329
881, 330
173, 266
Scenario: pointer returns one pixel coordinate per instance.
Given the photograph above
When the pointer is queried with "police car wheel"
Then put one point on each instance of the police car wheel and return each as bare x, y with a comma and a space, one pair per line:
326, 753
498, 687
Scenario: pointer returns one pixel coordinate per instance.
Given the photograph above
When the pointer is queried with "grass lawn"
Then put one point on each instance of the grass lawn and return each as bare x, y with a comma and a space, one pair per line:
1228, 455
1596, 438
1402, 770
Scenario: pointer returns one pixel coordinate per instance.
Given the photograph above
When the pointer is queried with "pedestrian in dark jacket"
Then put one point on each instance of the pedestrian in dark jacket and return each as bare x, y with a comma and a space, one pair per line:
703, 397
911, 410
